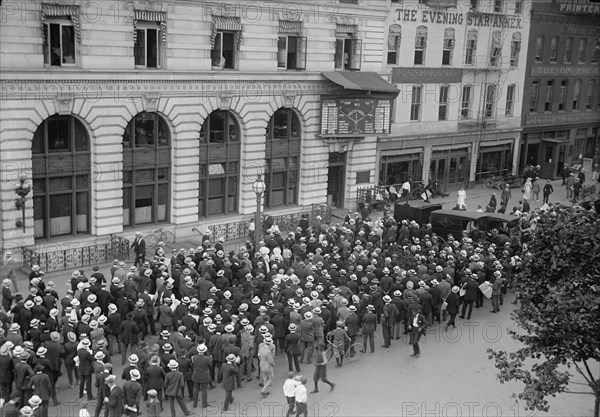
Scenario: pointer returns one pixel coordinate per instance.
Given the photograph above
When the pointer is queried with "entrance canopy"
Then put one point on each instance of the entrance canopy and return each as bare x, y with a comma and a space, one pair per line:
362, 81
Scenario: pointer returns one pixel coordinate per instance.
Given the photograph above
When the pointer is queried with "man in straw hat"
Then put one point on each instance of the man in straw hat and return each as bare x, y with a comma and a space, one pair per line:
231, 376
201, 364
175, 388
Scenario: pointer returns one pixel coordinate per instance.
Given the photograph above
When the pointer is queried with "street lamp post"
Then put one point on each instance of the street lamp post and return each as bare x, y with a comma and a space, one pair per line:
258, 187
22, 188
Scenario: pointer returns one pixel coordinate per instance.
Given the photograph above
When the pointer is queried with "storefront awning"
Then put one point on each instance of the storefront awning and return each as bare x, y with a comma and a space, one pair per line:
555, 140
363, 81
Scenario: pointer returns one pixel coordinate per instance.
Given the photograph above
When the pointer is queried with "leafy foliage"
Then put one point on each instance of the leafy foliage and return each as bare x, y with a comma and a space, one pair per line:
559, 321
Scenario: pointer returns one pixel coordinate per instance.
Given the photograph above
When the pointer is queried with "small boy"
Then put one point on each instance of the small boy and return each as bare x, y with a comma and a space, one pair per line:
83, 410
153, 405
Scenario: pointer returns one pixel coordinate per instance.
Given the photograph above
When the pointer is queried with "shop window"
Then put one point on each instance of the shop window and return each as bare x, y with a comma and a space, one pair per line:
590, 93
420, 45
510, 100
471, 46
146, 170
490, 100
533, 96
549, 95
394, 39
219, 167
448, 46
415, 105
282, 158
147, 48
554, 49
443, 103
564, 84
576, 94
539, 49
61, 178
582, 48
465, 104
291, 52
568, 50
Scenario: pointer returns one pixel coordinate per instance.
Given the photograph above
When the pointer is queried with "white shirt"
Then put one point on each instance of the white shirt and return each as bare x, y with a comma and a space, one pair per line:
406, 186
416, 321
301, 394
84, 412
289, 387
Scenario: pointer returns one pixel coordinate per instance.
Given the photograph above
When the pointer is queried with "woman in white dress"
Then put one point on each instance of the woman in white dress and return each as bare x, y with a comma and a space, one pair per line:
461, 202
527, 189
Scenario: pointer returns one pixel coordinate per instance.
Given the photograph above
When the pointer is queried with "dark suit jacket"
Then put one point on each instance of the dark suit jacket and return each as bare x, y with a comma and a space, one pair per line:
139, 246
42, 386
129, 332
201, 368
155, 376
85, 362
132, 393
55, 353
174, 384
352, 324
230, 375
115, 402
471, 289
453, 301
291, 345
369, 323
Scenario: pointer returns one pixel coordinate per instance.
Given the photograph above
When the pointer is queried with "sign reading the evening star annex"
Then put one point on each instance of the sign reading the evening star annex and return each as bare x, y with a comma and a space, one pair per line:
355, 116
455, 18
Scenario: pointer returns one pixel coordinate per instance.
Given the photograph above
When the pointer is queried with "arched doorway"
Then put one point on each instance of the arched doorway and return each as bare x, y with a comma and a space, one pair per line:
220, 146
61, 178
282, 159
146, 170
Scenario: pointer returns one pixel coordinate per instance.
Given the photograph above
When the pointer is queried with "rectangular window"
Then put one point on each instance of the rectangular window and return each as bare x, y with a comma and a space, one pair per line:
576, 94
515, 49
498, 6
59, 44
415, 104
394, 39
518, 6
495, 56
443, 103
554, 49
582, 47
465, 105
590, 93
420, 44
348, 52
474, 4
549, 95
539, 49
291, 52
470, 53
510, 100
533, 100
568, 50
448, 49
563, 95
146, 50
595, 51
223, 54
490, 99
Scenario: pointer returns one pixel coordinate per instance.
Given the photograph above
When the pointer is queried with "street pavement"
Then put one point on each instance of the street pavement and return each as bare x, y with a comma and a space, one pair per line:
452, 377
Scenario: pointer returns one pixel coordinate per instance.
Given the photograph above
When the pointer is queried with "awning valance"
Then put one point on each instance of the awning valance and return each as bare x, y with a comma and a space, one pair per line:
290, 26
346, 30
61, 10
516, 43
230, 24
150, 16
497, 39
394, 37
421, 37
363, 81
449, 38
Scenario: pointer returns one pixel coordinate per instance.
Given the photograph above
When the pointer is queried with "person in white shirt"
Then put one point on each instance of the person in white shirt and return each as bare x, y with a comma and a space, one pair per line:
406, 190
289, 388
301, 396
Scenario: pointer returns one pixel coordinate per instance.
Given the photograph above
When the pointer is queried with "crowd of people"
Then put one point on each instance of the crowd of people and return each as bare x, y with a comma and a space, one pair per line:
221, 317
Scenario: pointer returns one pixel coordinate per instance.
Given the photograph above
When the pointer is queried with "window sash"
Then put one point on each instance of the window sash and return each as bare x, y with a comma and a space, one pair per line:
510, 98
291, 52
59, 44
147, 49
415, 106
465, 109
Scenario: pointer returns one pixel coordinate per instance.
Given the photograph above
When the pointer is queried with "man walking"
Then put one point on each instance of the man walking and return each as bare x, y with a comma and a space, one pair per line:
419, 325
174, 388
547, 191
201, 363
231, 376
139, 247
266, 360
369, 325
388, 320
504, 198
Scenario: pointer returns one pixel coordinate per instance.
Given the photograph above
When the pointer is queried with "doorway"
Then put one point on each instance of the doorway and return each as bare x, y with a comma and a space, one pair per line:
548, 160
449, 168
336, 175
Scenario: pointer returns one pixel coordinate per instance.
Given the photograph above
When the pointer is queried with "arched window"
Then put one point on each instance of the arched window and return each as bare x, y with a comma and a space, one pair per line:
219, 164
394, 39
61, 178
146, 170
282, 159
